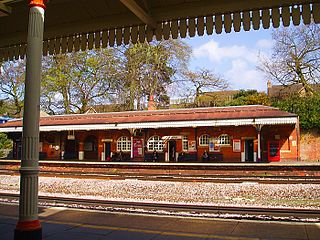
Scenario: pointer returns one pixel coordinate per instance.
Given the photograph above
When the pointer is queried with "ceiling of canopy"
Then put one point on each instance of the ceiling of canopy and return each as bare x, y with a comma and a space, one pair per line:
73, 25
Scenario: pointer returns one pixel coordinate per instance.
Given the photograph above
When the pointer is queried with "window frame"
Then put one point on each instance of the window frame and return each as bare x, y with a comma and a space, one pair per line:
224, 140
124, 145
157, 144
203, 143
185, 143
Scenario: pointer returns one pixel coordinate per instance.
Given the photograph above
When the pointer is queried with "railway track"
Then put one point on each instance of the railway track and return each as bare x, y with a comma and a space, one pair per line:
183, 178
297, 172
187, 210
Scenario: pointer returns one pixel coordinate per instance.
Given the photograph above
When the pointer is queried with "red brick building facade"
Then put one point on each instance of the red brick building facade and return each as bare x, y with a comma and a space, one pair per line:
226, 134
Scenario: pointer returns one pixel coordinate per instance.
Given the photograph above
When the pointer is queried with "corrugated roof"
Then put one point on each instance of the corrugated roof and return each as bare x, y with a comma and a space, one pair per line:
170, 115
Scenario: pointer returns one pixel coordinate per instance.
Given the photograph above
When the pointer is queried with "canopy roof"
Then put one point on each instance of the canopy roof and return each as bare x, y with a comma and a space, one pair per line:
171, 118
73, 25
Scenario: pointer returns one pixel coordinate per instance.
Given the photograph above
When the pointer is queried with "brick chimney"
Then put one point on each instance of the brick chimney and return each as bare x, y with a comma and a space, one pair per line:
269, 86
151, 103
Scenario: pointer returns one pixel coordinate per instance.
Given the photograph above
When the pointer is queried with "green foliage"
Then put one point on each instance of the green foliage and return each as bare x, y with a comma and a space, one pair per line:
249, 97
74, 82
307, 108
5, 145
149, 69
245, 93
12, 77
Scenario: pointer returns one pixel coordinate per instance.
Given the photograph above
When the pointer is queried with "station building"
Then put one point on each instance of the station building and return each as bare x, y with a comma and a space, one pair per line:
227, 134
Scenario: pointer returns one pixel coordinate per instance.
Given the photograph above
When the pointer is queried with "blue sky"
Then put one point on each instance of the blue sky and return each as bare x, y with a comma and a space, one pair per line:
234, 56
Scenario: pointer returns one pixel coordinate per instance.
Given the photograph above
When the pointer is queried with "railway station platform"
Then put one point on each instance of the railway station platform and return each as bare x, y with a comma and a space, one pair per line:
65, 224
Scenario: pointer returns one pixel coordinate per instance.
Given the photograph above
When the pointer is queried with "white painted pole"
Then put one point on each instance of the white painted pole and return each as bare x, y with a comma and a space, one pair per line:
259, 146
28, 226
131, 148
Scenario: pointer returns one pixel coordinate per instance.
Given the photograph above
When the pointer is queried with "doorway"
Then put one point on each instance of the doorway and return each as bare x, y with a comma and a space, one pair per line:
71, 149
172, 148
249, 151
107, 150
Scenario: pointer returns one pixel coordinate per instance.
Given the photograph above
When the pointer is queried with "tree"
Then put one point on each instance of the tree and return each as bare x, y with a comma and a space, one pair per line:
149, 69
12, 77
295, 58
203, 80
250, 97
307, 108
6, 145
74, 82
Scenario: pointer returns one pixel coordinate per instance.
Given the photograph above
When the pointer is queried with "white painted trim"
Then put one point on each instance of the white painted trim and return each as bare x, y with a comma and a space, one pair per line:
81, 155
131, 152
254, 156
259, 146
243, 156
166, 156
175, 124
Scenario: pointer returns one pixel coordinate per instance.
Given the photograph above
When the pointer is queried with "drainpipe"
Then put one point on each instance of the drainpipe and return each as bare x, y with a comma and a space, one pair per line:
28, 226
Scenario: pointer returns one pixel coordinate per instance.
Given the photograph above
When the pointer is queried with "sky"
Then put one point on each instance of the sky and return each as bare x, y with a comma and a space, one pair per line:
234, 56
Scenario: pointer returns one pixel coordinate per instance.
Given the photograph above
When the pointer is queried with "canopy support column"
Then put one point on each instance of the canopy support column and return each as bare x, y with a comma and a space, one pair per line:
28, 226
258, 128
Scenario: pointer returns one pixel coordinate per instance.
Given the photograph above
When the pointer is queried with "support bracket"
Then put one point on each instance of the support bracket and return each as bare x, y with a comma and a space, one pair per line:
134, 7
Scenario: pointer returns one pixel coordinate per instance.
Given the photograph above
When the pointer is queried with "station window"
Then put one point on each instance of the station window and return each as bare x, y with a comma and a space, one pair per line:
124, 144
155, 143
224, 140
185, 143
204, 140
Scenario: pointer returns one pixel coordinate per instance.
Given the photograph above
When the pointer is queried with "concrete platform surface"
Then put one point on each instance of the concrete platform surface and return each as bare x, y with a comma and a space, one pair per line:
68, 224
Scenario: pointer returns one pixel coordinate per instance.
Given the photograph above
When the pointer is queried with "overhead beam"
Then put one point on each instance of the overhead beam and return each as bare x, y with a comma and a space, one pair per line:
139, 12
4, 10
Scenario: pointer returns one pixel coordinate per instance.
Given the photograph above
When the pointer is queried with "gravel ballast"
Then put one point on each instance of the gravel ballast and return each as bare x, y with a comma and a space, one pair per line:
248, 194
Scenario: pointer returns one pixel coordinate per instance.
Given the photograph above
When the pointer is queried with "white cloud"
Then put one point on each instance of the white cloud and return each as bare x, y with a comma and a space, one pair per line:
237, 63
216, 53
265, 43
243, 76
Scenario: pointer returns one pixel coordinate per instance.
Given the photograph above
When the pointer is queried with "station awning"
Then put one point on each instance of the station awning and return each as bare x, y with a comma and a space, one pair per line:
73, 25
156, 125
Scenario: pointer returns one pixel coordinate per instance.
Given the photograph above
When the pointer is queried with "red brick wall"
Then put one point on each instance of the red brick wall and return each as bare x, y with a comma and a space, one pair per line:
285, 134
310, 145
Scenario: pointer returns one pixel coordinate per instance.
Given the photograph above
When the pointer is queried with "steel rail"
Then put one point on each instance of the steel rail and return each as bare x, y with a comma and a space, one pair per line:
182, 178
291, 214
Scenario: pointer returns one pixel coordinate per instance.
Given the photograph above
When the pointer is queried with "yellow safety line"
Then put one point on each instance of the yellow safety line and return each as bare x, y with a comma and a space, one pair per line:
166, 233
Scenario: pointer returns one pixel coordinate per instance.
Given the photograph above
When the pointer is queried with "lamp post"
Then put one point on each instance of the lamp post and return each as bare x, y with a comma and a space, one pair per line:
28, 226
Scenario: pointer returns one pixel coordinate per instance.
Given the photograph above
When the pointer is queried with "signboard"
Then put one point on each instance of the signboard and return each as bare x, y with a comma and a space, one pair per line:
192, 145
167, 138
71, 137
236, 145
216, 147
137, 147
211, 145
